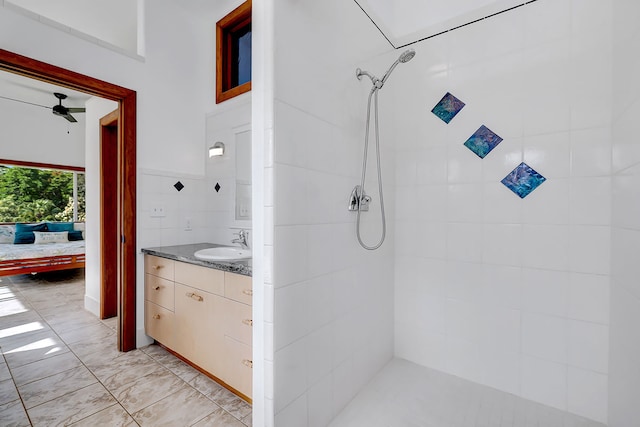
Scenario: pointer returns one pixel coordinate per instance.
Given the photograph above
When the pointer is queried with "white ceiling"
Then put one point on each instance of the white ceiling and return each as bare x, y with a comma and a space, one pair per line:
406, 21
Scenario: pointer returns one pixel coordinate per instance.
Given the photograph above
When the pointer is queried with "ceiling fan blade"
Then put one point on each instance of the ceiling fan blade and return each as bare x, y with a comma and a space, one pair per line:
77, 110
25, 102
70, 118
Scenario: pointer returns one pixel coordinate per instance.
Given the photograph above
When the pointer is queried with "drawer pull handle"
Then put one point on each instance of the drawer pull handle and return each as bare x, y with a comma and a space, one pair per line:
194, 296
157, 288
156, 316
248, 322
248, 363
248, 292
157, 267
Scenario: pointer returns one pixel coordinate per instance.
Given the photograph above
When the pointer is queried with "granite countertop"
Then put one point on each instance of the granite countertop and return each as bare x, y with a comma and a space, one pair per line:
185, 253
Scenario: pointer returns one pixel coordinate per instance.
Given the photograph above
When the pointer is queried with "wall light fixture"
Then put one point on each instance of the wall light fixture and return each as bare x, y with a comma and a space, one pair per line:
216, 150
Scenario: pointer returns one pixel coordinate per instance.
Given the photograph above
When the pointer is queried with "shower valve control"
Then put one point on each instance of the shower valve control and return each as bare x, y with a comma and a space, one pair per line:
359, 201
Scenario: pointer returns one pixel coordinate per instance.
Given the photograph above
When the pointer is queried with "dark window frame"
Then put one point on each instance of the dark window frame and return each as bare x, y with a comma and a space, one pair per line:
227, 30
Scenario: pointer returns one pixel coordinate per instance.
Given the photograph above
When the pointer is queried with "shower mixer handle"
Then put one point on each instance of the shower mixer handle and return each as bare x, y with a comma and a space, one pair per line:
359, 201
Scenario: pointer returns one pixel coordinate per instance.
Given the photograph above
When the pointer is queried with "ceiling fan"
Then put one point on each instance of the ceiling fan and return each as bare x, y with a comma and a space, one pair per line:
58, 110
61, 110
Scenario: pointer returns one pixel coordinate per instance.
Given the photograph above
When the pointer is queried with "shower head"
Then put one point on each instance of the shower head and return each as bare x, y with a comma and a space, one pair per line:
405, 56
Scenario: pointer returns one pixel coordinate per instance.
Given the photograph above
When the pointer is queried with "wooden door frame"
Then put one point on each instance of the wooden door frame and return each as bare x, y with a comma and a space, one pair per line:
109, 215
126, 98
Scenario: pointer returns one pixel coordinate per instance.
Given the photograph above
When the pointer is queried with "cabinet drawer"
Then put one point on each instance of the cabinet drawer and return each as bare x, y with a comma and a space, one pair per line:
161, 267
237, 321
159, 291
238, 287
159, 323
239, 366
206, 279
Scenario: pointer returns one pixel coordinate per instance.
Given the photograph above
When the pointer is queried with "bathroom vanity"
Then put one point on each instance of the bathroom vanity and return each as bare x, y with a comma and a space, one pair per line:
202, 312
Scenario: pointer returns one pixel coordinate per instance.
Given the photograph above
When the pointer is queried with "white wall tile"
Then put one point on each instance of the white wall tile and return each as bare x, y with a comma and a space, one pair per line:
501, 286
591, 152
545, 246
587, 394
290, 311
290, 379
319, 403
545, 291
464, 242
499, 241
544, 337
589, 346
589, 298
590, 248
591, 201
544, 381
290, 255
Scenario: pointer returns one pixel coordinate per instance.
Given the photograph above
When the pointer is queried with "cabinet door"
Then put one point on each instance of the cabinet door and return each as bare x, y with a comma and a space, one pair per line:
159, 291
199, 335
159, 323
239, 366
238, 287
161, 267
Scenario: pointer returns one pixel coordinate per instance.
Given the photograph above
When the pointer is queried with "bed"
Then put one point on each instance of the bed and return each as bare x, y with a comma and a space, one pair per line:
38, 258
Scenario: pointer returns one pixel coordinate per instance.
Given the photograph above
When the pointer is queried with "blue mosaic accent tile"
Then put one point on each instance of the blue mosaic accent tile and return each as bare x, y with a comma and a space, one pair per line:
523, 180
482, 141
448, 107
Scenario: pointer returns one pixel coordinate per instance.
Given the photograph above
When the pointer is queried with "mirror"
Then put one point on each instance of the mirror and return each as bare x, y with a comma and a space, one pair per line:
243, 175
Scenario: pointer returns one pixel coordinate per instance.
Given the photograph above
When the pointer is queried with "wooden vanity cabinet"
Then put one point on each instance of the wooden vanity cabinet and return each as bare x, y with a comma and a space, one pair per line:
204, 315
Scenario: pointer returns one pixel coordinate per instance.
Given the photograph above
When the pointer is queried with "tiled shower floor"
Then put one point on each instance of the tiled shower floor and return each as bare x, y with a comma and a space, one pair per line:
404, 394
60, 366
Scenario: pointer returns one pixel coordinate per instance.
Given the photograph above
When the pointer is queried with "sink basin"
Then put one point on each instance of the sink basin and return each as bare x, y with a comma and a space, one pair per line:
223, 253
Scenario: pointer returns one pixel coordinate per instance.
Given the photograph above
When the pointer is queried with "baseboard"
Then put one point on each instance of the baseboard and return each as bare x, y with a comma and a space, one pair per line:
92, 305
142, 339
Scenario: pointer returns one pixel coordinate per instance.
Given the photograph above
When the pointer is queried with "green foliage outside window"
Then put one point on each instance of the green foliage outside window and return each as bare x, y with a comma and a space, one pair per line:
33, 195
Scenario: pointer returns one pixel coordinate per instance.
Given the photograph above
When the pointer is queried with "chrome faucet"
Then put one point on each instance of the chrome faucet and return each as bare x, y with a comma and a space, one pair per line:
242, 239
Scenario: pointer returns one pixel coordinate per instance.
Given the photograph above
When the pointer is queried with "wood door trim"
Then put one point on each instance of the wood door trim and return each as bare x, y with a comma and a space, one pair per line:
108, 215
22, 65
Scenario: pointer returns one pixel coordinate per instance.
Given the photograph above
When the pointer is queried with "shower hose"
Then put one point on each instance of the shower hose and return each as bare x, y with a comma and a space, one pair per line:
374, 94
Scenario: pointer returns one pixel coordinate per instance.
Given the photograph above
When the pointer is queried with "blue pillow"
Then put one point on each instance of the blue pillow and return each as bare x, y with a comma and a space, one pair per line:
24, 237
59, 226
75, 235
24, 232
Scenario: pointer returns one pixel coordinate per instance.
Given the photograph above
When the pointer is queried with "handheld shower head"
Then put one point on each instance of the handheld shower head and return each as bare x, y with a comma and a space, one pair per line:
405, 56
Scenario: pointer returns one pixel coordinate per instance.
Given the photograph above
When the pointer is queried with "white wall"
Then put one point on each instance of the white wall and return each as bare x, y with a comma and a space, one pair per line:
332, 314
34, 134
624, 375
114, 22
508, 292
169, 84
96, 109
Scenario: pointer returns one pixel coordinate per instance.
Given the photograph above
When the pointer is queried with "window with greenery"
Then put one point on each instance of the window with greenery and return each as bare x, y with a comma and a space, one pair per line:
233, 53
33, 194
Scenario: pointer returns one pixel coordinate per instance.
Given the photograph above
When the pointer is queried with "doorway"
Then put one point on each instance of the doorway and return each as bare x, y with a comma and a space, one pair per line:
122, 237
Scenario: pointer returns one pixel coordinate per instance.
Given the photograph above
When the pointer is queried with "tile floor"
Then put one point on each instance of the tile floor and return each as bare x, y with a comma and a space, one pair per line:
408, 395
59, 366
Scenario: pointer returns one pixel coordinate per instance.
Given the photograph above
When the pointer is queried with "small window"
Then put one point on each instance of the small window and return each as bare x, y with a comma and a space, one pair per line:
233, 53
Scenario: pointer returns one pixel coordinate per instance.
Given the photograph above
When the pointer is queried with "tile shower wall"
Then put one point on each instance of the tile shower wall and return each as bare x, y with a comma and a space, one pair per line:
624, 374
512, 293
332, 313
